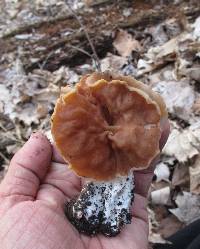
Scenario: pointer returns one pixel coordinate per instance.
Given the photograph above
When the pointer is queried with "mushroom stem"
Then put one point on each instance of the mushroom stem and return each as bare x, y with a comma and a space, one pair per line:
103, 207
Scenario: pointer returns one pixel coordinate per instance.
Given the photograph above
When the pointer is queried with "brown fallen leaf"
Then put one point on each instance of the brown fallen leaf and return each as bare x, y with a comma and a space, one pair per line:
169, 226
188, 209
31, 96
182, 145
12, 149
154, 237
161, 196
195, 176
179, 97
42, 111
162, 172
194, 129
2, 174
196, 106
125, 44
180, 175
161, 212
196, 27
113, 62
157, 56
193, 73
164, 52
175, 60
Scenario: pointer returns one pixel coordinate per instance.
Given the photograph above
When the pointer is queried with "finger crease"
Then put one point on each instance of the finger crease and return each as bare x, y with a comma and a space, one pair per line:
29, 169
54, 186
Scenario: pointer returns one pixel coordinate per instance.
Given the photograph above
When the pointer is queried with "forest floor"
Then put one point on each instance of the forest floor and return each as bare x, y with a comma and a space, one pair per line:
44, 47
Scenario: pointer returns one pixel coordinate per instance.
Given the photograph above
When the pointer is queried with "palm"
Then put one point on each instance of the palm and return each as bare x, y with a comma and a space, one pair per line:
69, 185
44, 219
32, 197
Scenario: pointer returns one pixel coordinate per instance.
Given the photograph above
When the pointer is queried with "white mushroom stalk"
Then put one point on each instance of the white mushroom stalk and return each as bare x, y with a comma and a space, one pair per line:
103, 207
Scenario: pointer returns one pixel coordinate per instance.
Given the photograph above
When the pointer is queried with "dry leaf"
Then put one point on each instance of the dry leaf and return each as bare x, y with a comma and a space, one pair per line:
161, 196
158, 34
144, 66
157, 56
64, 74
125, 44
181, 67
194, 73
156, 238
153, 225
195, 176
164, 31
182, 145
2, 174
49, 136
5, 97
196, 106
113, 63
195, 130
12, 149
188, 207
180, 175
162, 172
179, 97
196, 26
165, 52
42, 111
169, 226
180, 49
32, 96
172, 58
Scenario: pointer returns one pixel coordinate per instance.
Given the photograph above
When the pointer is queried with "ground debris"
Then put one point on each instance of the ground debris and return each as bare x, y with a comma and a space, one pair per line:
43, 49
188, 209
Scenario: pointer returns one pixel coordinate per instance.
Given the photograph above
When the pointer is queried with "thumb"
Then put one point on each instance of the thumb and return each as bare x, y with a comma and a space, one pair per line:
27, 168
143, 178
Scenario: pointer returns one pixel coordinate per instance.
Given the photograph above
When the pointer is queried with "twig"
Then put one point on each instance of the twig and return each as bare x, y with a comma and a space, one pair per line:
42, 65
81, 50
45, 61
4, 158
100, 2
95, 56
146, 17
3, 128
27, 27
10, 136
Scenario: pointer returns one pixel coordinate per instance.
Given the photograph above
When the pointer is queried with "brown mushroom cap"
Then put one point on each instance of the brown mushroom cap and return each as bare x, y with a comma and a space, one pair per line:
107, 125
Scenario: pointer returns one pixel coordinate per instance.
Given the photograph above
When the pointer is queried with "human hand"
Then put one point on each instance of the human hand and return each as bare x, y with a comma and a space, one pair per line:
32, 197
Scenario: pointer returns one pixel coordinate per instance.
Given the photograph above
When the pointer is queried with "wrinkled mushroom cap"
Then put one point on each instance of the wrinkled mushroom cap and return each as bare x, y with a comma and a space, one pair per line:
107, 125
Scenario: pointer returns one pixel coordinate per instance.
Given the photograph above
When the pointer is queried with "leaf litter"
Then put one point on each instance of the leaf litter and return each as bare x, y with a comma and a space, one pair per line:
164, 54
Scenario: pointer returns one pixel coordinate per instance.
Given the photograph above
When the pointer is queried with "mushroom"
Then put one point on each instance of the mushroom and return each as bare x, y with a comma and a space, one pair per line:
106, 127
